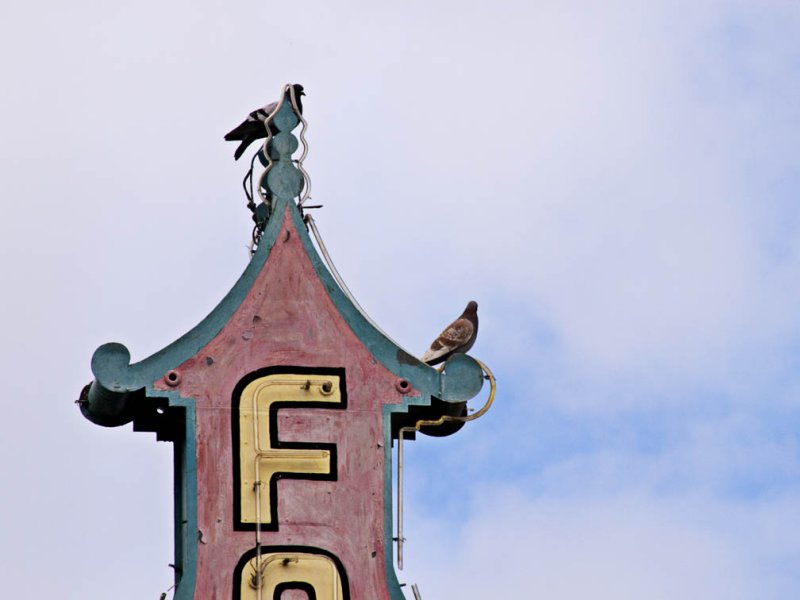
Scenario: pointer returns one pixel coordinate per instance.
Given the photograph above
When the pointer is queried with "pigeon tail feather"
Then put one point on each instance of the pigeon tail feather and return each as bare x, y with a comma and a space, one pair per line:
243, 146
245, 129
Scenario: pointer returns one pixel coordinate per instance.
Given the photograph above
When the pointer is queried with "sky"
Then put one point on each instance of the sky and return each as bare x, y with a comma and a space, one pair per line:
616, 183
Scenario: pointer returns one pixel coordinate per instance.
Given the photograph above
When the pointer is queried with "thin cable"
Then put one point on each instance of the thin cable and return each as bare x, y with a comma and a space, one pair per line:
332, 268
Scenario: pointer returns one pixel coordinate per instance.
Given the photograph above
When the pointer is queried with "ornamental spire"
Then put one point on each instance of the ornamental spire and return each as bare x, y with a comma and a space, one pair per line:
282, 176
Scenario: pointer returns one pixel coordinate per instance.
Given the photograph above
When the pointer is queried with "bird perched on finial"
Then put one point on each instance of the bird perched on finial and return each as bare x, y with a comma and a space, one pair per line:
458, 337
253, 128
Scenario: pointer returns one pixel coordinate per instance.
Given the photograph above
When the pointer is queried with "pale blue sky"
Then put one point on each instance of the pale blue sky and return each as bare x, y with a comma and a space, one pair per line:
616, 183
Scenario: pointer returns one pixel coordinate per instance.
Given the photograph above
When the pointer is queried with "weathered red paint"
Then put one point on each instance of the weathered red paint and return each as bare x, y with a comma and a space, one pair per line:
288, 319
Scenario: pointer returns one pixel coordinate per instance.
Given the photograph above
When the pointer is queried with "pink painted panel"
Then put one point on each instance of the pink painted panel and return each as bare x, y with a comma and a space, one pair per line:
288, 319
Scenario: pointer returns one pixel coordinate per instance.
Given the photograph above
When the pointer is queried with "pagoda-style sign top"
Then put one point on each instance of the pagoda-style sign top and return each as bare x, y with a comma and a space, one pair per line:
283, 405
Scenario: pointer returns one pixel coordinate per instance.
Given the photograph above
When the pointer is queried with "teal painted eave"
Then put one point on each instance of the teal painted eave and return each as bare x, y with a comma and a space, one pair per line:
115, 378
107, 400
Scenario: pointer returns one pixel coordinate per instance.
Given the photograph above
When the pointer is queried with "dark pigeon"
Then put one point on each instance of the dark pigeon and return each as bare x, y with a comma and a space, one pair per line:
252, 128
458, 337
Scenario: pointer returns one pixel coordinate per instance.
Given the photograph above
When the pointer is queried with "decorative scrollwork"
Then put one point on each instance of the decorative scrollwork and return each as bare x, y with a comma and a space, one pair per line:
283, 176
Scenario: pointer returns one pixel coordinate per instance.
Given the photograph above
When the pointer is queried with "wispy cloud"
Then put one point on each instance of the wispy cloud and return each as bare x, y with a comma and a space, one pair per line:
621, 547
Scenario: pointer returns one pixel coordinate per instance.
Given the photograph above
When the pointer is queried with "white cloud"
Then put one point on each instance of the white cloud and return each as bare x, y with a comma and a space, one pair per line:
621, 547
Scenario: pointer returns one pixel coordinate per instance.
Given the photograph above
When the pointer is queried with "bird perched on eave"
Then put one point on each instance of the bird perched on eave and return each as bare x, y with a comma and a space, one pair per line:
253, 128
457, 337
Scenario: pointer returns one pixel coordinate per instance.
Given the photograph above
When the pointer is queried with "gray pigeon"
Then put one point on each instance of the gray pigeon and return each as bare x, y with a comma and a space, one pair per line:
252, 128
458, 337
